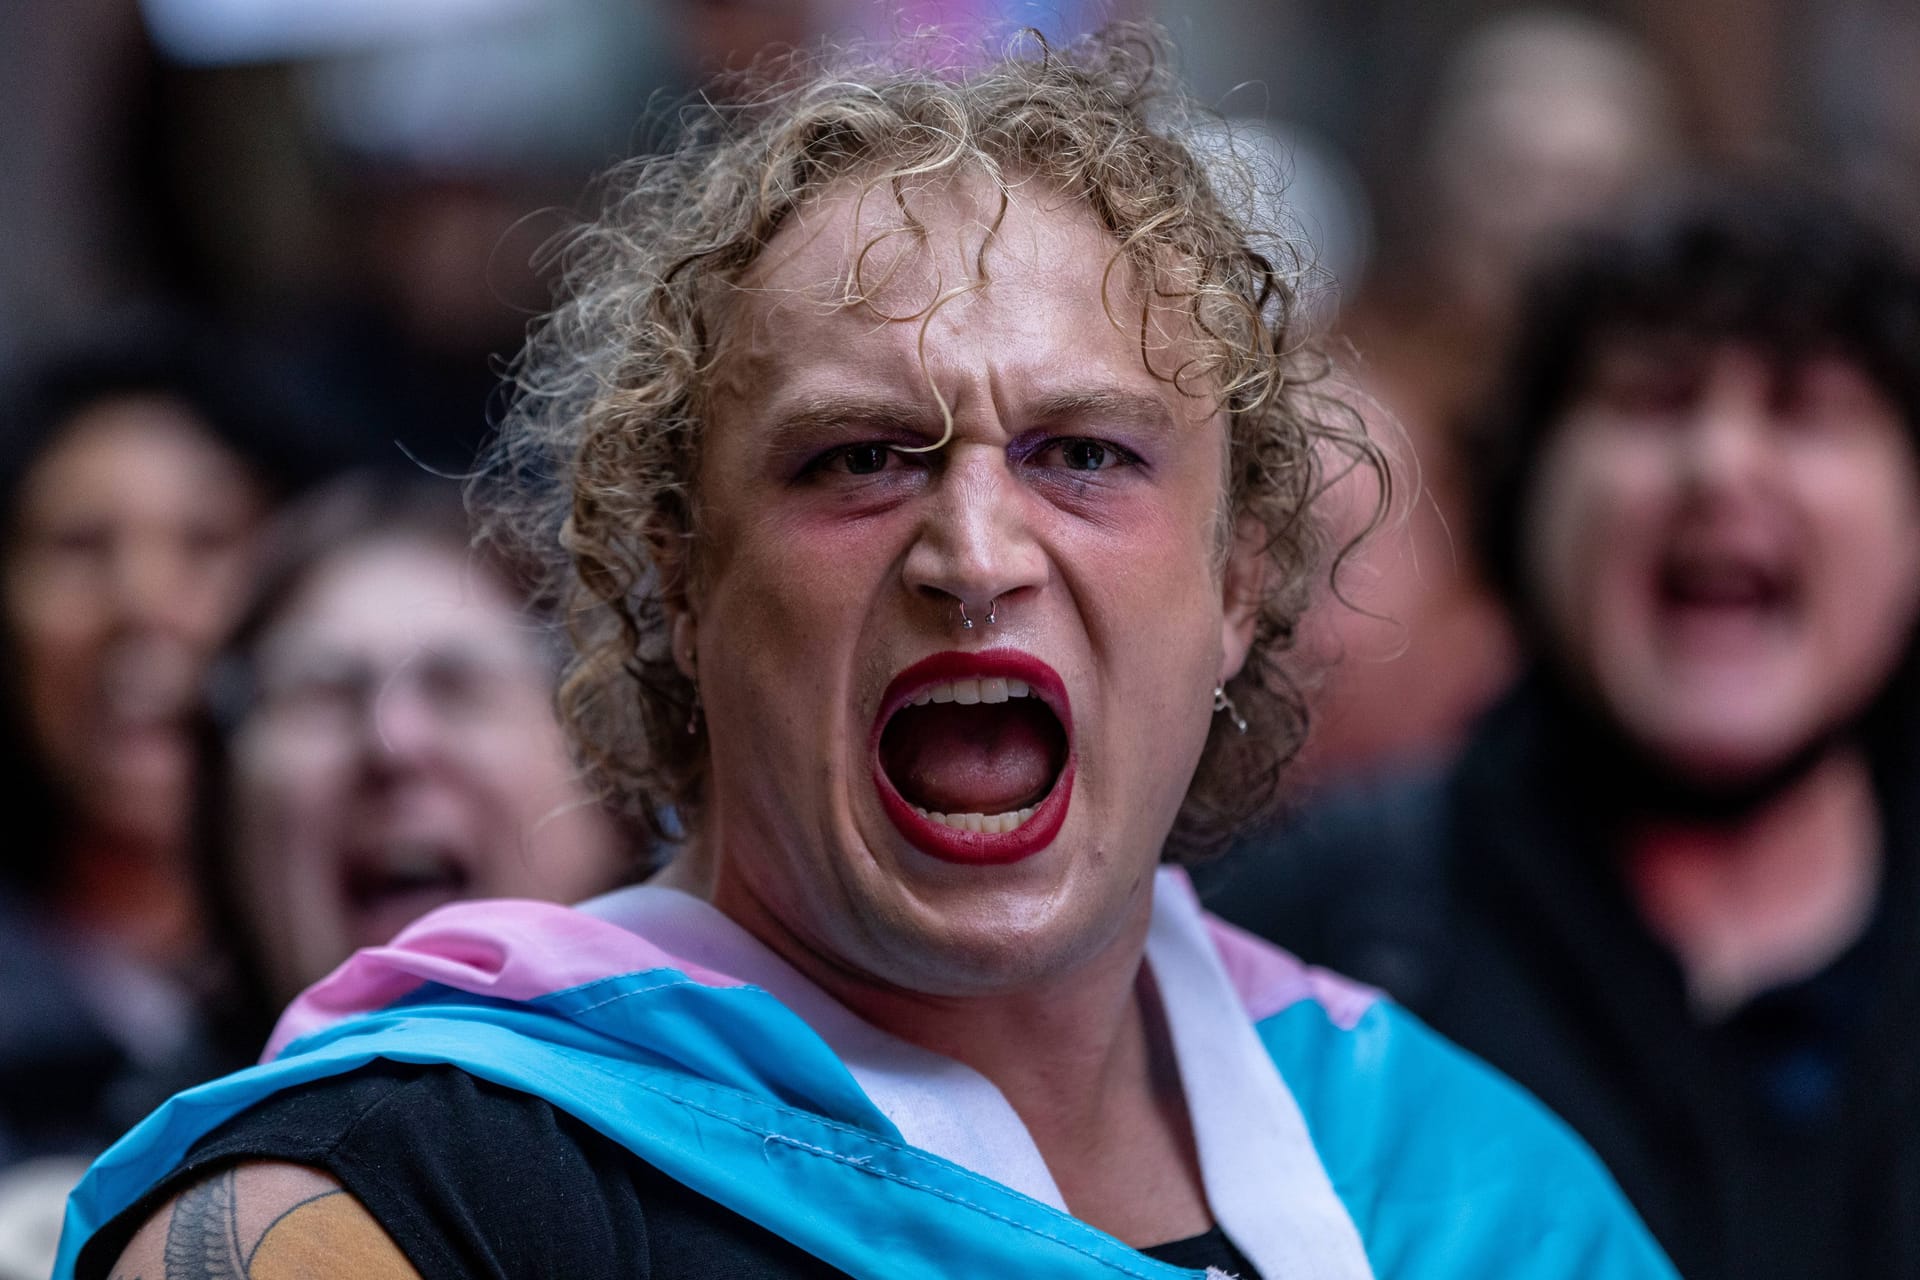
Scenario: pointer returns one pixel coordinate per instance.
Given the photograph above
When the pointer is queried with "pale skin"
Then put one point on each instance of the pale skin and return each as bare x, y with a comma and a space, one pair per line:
1115, 578
1727, 549
830, 549
449, 744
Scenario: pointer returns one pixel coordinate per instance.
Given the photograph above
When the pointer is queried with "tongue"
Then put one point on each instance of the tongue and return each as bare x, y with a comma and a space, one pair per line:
989, 758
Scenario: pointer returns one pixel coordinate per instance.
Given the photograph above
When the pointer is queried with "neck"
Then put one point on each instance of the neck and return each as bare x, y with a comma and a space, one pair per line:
1768, 897
1083, 1057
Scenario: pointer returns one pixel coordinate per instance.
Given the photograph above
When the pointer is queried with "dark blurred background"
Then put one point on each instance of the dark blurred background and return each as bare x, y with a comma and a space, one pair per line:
356, 194
316, 231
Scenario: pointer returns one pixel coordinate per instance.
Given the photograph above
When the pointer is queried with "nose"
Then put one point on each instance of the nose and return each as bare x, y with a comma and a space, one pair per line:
401, 728
147, 588
975, 554
1727, 444
157, 586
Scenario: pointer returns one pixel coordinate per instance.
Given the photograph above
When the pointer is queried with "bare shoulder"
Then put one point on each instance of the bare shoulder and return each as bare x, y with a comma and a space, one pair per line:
263, 1221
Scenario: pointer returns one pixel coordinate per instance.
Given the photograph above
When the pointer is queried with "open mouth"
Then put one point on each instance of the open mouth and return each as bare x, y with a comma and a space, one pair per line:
1721, 590
389, 886
973, 755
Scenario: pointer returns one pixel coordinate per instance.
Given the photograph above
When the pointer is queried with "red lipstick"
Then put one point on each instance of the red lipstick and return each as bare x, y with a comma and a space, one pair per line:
977, 848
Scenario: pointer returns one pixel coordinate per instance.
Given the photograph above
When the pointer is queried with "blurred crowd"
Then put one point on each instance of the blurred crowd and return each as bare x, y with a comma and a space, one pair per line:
1615, 754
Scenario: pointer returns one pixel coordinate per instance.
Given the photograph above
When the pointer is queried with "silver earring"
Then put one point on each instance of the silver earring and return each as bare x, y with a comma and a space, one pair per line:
1221, 702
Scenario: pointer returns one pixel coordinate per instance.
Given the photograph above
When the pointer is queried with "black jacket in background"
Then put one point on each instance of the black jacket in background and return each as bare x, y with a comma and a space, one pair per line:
1783, 1142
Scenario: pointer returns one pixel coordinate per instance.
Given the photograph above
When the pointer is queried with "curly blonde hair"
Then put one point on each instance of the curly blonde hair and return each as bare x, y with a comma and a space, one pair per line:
593, 470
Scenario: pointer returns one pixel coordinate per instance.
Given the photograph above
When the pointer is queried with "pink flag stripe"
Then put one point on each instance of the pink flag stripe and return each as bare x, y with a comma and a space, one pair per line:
509, 949
1270, 980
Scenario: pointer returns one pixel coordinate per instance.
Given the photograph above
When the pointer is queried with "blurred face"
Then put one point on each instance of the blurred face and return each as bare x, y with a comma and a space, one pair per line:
401, 753
894, 796
131, 542
1726, 550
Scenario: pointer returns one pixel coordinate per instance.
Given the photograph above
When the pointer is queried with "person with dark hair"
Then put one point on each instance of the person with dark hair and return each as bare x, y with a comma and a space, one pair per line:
923, 455
1672, 883
135, 469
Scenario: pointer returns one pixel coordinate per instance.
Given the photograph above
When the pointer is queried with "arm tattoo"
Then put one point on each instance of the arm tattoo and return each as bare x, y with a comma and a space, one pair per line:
286, 1213
203, 1235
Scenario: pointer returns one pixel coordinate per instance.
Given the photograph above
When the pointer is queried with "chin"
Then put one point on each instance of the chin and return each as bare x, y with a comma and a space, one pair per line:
1723, 756
973, 940
975, 962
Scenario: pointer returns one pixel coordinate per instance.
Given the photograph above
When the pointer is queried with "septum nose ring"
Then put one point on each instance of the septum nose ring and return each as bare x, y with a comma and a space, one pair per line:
966, 623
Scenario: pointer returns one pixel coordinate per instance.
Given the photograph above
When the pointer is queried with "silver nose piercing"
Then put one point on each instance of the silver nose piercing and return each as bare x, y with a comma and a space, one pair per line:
966, 623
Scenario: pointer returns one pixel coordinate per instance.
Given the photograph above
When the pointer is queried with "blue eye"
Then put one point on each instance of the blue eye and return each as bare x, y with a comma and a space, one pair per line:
1086, 455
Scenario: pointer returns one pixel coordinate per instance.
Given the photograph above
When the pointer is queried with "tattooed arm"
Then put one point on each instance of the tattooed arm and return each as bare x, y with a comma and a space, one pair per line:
263, 1221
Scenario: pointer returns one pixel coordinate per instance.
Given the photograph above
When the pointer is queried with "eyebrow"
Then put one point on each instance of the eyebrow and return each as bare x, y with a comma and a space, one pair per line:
1118, 408
879, 414
888, 416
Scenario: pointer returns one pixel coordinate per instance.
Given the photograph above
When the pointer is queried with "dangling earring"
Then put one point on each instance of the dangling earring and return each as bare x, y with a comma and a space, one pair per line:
1221, 702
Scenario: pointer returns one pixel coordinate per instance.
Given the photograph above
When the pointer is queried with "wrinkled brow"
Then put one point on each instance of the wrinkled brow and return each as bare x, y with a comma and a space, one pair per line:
1116, 408
884, 416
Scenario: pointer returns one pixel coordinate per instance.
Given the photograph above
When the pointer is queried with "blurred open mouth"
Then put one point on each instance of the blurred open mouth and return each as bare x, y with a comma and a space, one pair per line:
973, 755
389, 884
1725, 593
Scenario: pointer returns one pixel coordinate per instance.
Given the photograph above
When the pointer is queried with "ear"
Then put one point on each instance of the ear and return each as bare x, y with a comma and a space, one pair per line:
668, 553
1242, 587
686, 644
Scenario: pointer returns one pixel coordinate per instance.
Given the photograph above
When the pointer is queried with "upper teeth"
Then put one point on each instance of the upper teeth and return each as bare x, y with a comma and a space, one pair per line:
969, 691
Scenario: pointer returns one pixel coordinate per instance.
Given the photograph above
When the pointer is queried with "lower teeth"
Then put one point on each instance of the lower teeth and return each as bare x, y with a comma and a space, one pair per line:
992, 824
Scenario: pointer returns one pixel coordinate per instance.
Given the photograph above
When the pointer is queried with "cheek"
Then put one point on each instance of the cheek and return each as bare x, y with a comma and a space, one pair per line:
1597, 508
49, 602
1870, 565
56, 634
797, 575
791, 598
287, 790
1149, 594
795, 595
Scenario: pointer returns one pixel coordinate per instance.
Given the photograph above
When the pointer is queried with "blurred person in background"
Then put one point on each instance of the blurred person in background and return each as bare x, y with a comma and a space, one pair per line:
1672, 884
138, 469
1544, 120
378, 739
381, 741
